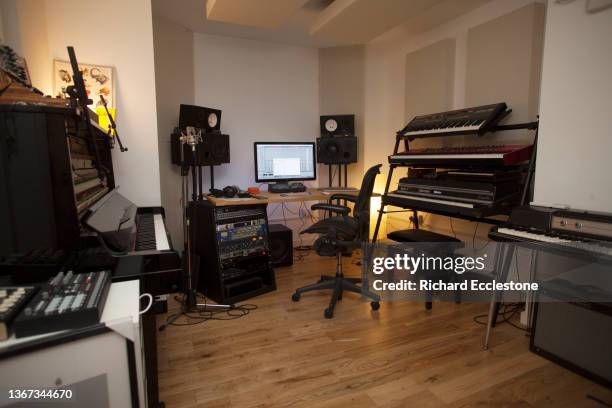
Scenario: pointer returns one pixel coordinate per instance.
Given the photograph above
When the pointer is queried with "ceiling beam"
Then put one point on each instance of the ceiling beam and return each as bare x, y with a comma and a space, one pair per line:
253, 13
359, 21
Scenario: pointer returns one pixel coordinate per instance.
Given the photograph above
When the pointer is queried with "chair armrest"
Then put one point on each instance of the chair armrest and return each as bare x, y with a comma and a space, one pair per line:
342, 196
340, 209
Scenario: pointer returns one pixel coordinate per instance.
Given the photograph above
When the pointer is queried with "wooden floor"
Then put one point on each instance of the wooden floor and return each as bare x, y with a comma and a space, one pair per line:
286, 354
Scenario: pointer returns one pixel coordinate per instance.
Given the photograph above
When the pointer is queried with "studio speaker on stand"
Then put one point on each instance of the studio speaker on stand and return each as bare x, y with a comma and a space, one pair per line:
337, 150
338, 143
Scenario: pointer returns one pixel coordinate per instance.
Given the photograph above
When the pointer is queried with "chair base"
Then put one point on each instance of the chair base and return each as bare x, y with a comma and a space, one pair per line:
338, 284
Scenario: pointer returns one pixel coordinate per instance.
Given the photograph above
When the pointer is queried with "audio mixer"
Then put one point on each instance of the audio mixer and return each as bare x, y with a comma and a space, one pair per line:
67, 301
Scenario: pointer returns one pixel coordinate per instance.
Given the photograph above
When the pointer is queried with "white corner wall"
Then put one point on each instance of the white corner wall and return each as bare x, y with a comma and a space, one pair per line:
174, 86
124, 41
267, 92
41, 30
573, 167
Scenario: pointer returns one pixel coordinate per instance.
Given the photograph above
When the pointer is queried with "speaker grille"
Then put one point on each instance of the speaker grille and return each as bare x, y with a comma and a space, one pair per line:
337, 150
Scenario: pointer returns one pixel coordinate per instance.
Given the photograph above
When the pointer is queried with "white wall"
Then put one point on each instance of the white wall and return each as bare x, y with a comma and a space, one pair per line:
123, 40
174, 85
573, 164
25, 28
267, 92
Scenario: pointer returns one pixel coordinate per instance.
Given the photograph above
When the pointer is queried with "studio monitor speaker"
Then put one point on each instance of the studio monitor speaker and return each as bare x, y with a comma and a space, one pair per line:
213, 150
337, 125
337, 150
207, 119
280, 245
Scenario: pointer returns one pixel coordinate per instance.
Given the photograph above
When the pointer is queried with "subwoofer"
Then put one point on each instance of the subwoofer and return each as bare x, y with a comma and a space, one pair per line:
213, 150
280, 245
337, 150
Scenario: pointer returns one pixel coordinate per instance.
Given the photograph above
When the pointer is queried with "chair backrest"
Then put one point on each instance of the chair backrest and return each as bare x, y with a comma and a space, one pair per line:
365, 193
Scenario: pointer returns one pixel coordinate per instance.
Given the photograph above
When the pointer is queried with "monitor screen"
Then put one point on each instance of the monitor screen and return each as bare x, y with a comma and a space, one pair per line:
278, 161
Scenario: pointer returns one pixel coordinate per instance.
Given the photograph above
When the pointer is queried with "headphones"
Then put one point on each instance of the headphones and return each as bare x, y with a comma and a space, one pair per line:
229, 192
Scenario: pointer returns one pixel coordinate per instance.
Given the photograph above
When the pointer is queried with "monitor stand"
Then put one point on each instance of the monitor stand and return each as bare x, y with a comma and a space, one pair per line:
284, 187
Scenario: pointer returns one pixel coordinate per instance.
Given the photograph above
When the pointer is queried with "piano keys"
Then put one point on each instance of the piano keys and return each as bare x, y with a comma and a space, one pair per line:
126, 228
578, 232
464, 157
476, 120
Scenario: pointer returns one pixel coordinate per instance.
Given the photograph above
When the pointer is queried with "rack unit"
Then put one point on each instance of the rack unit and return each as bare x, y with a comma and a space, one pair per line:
231, 242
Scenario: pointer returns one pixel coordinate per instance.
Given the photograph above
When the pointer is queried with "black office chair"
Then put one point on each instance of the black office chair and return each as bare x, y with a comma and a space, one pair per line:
342, 234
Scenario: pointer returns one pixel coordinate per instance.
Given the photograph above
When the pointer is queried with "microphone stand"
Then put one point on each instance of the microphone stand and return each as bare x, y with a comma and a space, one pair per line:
112, 127
192, 138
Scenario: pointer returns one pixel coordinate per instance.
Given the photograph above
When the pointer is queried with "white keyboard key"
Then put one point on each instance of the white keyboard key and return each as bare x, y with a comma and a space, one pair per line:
161, 239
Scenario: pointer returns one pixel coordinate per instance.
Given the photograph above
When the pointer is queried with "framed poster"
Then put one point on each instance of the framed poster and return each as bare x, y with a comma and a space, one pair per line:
98, 81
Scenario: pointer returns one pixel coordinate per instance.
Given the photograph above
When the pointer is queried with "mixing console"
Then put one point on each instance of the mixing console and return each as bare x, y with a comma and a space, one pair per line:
67, 301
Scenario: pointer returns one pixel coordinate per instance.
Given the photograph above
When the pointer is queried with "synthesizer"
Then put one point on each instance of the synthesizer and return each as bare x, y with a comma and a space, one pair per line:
67, 301
12, 301
476, 120
465, 156
449, 188
586, 233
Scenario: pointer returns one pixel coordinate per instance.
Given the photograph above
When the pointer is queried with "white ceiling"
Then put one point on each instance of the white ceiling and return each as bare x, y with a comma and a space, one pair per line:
313, 23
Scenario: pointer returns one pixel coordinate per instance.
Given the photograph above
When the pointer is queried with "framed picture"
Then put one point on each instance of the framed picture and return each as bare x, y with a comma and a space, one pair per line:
98, 80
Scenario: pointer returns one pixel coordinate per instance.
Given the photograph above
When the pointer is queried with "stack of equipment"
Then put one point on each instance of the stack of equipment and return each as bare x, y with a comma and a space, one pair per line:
338, 143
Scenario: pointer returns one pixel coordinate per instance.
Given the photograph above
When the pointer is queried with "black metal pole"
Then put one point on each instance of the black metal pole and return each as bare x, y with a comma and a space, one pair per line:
200, 182
212, 177
194, 183
530, 170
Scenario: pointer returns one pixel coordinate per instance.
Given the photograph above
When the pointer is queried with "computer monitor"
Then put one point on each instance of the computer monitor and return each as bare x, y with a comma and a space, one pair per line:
285, 161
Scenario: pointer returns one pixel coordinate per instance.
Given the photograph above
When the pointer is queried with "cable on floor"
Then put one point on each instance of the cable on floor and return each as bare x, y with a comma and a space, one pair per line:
195, 316
507, 311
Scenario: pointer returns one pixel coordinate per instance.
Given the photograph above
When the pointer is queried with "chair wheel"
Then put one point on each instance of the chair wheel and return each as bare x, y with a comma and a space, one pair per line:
375, 305
295, 297
328, 313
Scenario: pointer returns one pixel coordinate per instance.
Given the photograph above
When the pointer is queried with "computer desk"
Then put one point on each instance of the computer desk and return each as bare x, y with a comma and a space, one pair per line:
311, 194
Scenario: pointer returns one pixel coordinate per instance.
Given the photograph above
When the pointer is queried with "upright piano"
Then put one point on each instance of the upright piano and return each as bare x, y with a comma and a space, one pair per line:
59, 206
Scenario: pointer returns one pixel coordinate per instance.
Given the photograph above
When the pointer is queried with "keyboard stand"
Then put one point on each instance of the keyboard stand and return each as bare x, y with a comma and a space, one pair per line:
502, 263
481, 214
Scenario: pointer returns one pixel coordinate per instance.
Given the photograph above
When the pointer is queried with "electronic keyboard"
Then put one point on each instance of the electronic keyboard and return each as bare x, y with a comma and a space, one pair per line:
464, 156
476, 120
575, 231
445, 187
